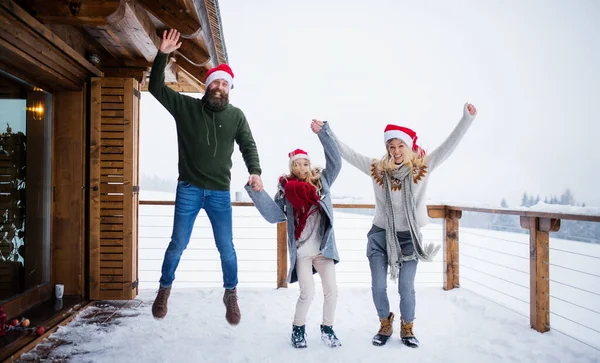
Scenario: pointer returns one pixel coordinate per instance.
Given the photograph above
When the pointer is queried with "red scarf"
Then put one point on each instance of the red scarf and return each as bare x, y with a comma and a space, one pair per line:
302, 196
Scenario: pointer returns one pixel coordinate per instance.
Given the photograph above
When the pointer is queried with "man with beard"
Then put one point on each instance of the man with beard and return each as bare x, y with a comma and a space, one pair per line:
206, 129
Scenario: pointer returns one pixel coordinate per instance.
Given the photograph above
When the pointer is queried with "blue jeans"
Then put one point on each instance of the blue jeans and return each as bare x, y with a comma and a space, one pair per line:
217, 204
378, 261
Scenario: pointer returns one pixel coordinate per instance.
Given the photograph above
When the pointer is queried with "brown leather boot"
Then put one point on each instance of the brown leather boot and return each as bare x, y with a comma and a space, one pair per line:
233, 314
385, 330
407, 335
159, 308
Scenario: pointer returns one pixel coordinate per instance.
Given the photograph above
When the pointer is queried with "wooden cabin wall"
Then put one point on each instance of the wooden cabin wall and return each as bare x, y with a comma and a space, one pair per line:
55, 60
69, 157
78, 39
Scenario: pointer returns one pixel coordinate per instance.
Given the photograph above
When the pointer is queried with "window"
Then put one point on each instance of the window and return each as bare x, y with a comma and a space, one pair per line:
25, 186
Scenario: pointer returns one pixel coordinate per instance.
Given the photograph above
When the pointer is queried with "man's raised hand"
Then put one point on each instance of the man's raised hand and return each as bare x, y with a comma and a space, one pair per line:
170, 41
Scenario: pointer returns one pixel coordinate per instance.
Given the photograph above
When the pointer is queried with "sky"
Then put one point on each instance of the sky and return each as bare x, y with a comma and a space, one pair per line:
530, 68
13, 110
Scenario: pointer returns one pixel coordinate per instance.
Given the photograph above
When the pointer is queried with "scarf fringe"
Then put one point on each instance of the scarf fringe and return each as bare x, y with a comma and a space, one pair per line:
425, 253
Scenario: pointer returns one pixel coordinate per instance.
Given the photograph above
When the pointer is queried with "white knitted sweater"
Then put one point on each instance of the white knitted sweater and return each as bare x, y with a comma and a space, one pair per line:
420, 177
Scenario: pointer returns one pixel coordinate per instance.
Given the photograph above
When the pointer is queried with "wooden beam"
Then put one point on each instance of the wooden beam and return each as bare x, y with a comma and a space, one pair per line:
27, 24
74, 12
9, 88
78, 39
539, 281
69, 180
183, 77
136, 68
126, 72
282, 254
451, 262
175, 14
131, 35
193, 50
130, 124
94, 187
47, 70
436, 211
539, 269
549, 224
569, 216
179, 87
198, 73
131, 38
133, 63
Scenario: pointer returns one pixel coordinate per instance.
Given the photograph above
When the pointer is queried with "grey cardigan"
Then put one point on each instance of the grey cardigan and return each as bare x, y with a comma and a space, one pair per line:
278, 209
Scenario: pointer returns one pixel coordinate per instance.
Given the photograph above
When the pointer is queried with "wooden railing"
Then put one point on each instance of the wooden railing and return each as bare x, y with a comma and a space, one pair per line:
539, 225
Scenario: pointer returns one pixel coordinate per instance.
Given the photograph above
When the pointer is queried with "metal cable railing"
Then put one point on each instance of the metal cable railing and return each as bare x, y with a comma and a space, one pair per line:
492, 269
254, 239
493, 264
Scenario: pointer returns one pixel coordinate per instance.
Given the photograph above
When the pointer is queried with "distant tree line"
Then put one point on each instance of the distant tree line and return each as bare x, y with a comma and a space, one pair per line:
570, 230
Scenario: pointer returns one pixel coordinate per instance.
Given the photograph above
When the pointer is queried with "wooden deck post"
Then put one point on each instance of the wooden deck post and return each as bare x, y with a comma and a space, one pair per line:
539, 267
451, 263
282, 254
450, 236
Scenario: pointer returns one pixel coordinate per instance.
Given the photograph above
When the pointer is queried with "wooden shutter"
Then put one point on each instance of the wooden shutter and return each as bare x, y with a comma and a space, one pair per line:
114, 135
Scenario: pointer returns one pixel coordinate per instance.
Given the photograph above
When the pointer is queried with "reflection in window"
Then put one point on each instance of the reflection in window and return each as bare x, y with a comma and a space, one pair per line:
25, 150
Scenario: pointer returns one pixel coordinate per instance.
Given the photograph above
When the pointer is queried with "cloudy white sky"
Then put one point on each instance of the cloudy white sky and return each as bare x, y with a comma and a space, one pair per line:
530, 67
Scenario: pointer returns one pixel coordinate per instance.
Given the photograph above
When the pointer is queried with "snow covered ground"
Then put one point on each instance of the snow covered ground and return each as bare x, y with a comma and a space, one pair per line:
493, 264
486, 320
454, 326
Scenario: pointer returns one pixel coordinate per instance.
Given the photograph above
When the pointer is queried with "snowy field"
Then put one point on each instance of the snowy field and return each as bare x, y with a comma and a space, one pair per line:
454, 326
487, 319
493, 264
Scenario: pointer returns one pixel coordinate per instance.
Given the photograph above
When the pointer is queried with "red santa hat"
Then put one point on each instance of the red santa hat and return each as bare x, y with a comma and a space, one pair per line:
222, 71
402, 133
298, 154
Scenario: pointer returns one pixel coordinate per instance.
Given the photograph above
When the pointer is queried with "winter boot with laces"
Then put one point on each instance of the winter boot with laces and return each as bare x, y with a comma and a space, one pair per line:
159, 307
328, 336
406, 333
233, 314
298, 336
385, 330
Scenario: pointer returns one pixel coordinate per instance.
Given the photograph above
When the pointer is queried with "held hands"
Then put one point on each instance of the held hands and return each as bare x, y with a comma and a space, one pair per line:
170, 41
316, 125
255, 182
469, 111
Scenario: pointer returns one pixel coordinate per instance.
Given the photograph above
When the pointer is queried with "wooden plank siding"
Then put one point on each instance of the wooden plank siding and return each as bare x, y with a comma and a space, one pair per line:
113, 177
69, 157
33, 53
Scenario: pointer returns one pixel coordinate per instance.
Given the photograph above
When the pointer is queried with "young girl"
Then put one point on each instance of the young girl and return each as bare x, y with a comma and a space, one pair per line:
303, 199
399, 181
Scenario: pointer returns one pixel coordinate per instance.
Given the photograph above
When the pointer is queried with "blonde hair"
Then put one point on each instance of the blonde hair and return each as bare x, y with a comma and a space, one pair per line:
313, 178
412, 159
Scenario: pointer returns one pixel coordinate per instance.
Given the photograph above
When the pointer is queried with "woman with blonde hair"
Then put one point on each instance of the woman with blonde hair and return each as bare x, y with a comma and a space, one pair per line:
303, 199
394, 242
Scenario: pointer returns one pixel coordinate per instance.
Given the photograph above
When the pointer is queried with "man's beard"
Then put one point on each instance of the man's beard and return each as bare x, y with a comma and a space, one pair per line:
216, 102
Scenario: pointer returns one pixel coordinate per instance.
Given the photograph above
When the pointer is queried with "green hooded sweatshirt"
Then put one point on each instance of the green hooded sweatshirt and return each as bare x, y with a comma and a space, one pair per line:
205, 135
